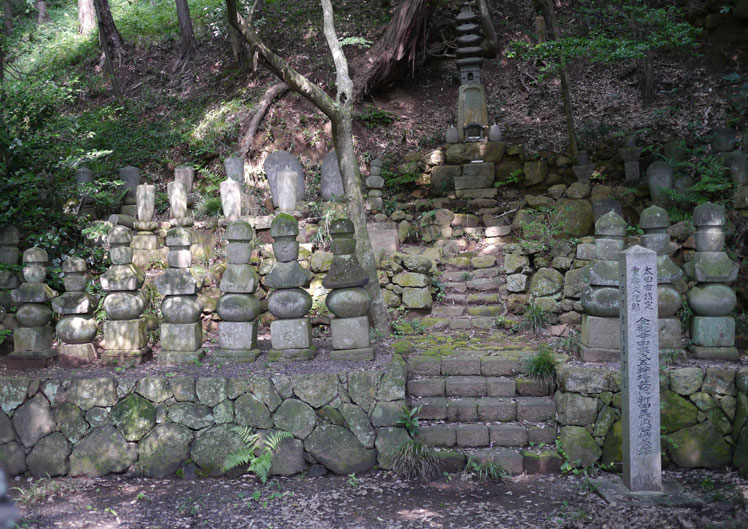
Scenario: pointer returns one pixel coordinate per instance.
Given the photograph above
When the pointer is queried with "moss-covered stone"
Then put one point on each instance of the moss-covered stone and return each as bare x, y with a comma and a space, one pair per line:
388, 440
155, 389
741, 415
719, 381
13, 458
134, 416
316, 389
191, 415
211, 447
582, 379
164, 450
223, 412
296, 417
687, 380
386, 413
210, 391
699, 446
613, 447
362, 388
183, 388
103, 451
49, 457
331, 415
358, 422
676, 412
33, 420
580, 448
605, 419
338, 450
392, 384
250, 411
703, 401
263, 389
89, 392
12, 392
740, 457
575, 409
70, 421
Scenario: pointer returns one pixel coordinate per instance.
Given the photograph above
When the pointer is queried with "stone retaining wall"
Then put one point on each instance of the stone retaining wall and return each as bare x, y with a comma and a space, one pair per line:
161, 425
704, 416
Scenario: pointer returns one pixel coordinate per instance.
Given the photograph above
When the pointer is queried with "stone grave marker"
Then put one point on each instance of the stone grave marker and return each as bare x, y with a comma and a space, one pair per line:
331, 181
274, 164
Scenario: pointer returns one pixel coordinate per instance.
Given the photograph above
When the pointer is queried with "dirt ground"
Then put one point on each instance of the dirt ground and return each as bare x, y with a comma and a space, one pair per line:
372, 501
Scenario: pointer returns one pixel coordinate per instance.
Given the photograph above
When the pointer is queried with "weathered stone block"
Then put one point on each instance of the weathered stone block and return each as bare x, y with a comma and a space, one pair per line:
291, 334
350, 333
508, 435
125, 335
497, 409
575, 409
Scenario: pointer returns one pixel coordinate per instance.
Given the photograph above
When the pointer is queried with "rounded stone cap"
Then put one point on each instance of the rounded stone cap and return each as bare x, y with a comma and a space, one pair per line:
35, 255
342, 227
120, 235
611, 224
73, 265
654, 217
9, 236
723, 139
376, 163
178, 237
240, 230
284, 225
709, 214
659, 168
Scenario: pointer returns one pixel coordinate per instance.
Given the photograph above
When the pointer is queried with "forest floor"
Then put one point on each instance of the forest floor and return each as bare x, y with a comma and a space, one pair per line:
371, 501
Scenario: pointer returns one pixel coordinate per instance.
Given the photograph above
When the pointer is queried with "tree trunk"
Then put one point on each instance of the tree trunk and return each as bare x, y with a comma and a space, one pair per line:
554, 34
189, 44
109, 35
401, 48
41, 7
86, 17
8, 17
490, 42
340, 113
245, 142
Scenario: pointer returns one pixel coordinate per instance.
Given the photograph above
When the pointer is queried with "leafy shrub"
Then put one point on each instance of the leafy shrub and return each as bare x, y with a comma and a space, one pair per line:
373, 117
534, 319
409, 419
211, 207
486, 470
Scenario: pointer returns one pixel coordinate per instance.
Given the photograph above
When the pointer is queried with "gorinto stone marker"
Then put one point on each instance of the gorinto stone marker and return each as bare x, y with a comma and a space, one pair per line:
640, 370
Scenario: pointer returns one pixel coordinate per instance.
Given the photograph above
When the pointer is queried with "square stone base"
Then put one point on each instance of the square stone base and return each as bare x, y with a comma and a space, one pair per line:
291, 334
713, 332
236, 355
32, 339
124, 357
179, 357
714, 353
76, 354
186, 337
125, 335
144, 241
364, 353
601, 333
280, 355
237, 334
350, 333
670, 333
29, 359
598, 355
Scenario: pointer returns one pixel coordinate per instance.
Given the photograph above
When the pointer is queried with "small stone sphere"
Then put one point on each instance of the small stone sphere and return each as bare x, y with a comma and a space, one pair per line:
668, 301
348, 302
712, 299
34, 315
181, 309
238, 307
77, 329
601, 301
34, 273
124, 305
289, 303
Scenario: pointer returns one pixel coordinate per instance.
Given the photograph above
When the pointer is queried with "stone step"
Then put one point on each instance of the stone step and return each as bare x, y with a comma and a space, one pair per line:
516, 461
483, 298
502, 364
472, 435
478, 386
470, 409
447, 311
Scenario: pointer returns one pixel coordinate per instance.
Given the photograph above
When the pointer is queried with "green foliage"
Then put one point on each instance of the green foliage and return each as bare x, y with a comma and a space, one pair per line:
5, 334
374, 117
737, 99
515, 177
542, 365
540, 233
358, 41
414, 460
534, 319
712, 181
353, 481
211, 207
439, 289
409, 419
486, 470
259, 465
403, 326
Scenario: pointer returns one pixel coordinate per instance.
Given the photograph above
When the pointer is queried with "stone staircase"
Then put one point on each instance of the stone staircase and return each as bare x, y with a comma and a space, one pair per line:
480, 404
472, 298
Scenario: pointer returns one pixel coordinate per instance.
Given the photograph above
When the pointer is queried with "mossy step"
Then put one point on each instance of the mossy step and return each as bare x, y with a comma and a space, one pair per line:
486, 409
479, 386
472, 435
510, 460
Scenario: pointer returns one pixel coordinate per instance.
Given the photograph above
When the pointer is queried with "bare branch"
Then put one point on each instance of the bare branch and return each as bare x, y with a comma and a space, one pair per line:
342, 80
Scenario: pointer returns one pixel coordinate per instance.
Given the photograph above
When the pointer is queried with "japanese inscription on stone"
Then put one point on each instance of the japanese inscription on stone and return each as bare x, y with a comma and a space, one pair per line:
639, 370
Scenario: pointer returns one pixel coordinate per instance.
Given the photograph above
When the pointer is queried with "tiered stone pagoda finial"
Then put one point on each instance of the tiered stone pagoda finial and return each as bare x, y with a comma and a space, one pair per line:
472, 114
181, 332
77, 326
601, 328
349, 300
145, 242
584, 168
32, 339
375, 183
9, 254
291, 334
630, 154
711, 299
655, 221
237, 306
131, 178
125, 338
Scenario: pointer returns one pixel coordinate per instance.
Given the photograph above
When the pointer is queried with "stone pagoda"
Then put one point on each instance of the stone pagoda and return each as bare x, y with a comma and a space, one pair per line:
77, 326
181, 331
145, 243
655, 221
291, 333
348, 300
375, 184
711, 299
472, 114
125, 338
237, 306
601, 328
9, 254
630, 153
32, 339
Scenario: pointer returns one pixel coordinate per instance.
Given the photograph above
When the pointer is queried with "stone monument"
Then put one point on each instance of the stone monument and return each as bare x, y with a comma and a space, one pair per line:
125, 338
180, 216
231, 199
472, 113
32, 339
291, 334
145, 243
331, 181
711, 299
77, 326
600, 298
630, 154
655, 221
186, 176
282, 161
237, 306
181, 331
724, 145
131, 178
660, 180
9, 254
348, 300
583, 169
375, 184
640, 366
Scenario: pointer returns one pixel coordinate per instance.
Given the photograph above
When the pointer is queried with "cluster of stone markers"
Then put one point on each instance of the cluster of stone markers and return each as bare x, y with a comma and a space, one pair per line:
375, 183
711, 300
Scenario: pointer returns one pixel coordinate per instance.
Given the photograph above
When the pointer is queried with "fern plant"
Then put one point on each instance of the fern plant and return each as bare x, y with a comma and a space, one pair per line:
259, 465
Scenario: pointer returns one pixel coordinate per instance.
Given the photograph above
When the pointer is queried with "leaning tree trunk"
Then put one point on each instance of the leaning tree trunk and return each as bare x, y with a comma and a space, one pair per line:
101, 7
400, 49
340, 112
108, 32
86, 17
490, 42
41, 7
189, 44
8, 17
